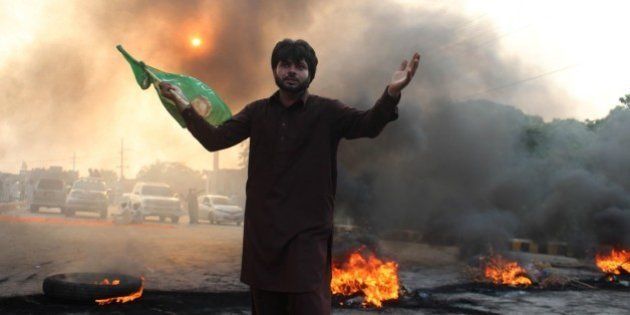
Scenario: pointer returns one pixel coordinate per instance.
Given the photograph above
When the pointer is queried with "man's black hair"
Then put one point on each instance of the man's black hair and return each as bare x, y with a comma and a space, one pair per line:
295, 50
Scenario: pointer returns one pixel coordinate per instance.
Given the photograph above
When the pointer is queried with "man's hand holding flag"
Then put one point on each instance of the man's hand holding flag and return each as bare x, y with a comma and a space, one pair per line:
176, 91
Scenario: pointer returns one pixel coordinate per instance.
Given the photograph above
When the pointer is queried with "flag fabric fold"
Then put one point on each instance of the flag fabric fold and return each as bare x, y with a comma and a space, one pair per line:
203, 99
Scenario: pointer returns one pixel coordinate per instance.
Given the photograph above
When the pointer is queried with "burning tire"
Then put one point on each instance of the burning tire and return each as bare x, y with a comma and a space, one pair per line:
91, 287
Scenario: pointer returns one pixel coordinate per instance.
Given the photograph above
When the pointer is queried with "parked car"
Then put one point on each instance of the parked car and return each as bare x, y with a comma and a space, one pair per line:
153, 199
218, 209
87, 194
47, 192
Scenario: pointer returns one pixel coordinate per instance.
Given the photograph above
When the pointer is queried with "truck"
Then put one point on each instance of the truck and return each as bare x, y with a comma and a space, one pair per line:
47, 192
153, 199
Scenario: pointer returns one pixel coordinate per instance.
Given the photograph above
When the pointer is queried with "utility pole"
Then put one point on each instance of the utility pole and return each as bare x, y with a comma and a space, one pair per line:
215, 169
122, 176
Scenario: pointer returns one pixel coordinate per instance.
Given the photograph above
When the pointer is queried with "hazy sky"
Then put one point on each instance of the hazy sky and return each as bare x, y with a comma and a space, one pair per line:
66, 90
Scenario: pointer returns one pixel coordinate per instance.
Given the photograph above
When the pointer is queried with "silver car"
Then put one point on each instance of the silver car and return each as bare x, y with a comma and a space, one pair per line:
87, 194
47, 192
218, 209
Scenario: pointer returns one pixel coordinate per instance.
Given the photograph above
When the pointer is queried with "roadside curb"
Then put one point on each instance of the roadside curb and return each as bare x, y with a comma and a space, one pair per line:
389, 235
10, 206
529, 246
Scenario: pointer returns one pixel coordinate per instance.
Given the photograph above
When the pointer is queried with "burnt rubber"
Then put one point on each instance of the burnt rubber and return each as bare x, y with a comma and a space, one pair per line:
85, 287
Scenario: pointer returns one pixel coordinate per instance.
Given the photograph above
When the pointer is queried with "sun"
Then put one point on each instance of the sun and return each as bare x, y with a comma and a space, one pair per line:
196, 42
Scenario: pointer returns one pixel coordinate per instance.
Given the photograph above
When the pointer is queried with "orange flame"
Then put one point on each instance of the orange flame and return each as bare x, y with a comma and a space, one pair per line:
616, 262
505, 272
120, 299
107, 282
377, 280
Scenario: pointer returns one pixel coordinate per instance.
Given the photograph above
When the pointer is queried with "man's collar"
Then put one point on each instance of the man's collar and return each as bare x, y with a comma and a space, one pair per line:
275, 98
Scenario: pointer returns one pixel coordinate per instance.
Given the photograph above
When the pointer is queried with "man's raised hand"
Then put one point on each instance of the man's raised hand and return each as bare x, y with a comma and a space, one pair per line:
403, 75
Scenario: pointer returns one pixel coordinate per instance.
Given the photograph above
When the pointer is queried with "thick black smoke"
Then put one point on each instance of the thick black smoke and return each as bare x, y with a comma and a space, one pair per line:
475, 172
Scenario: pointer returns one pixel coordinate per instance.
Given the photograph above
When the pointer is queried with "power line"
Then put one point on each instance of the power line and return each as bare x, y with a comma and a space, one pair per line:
460, 27
483, 43
511, 84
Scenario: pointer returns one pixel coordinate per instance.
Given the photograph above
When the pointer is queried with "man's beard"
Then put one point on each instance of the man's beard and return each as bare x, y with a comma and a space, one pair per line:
292, 89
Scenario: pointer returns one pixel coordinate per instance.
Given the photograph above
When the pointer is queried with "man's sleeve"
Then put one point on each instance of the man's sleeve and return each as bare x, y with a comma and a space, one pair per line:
351, 123
231, 132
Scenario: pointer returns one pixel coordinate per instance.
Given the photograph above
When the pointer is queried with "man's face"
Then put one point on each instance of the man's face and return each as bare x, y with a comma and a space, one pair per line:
292, 77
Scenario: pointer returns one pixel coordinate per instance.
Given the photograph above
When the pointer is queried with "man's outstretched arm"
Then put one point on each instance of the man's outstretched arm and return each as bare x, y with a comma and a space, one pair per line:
351, 123
231, 132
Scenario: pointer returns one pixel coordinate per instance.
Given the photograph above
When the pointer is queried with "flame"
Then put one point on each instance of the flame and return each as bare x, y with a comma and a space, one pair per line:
107, 282
121, 299
505, 272
377, 280
616, 262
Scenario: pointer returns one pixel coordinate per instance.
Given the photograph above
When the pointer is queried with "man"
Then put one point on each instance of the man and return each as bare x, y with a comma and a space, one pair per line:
292, 176
193, 206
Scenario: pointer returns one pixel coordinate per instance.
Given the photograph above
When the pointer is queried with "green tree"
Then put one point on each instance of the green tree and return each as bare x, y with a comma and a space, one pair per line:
625, 100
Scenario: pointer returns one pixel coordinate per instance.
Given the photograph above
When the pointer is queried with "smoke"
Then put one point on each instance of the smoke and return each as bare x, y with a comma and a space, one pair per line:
457, 167
482, 173
473, 172
67, 90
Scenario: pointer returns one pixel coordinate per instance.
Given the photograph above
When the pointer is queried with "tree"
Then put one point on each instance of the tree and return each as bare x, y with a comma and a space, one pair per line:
179, 176
108, 176
594, 124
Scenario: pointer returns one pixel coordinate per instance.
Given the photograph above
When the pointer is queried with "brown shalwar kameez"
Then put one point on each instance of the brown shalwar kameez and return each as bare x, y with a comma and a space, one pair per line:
291, 182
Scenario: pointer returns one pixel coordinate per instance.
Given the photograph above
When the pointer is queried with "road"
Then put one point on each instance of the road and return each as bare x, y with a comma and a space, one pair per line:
206, 258
169, 256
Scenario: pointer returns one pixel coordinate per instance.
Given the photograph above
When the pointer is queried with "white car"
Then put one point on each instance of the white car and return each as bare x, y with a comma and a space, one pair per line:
153, 199
219, 209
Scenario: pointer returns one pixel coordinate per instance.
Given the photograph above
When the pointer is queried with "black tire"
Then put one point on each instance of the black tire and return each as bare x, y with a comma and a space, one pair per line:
34, 208
103, 214
238, 223
162, 218
174, 219
68, 212
84, 287
211, 218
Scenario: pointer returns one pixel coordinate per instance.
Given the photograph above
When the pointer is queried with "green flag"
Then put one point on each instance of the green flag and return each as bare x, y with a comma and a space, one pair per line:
203, 99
